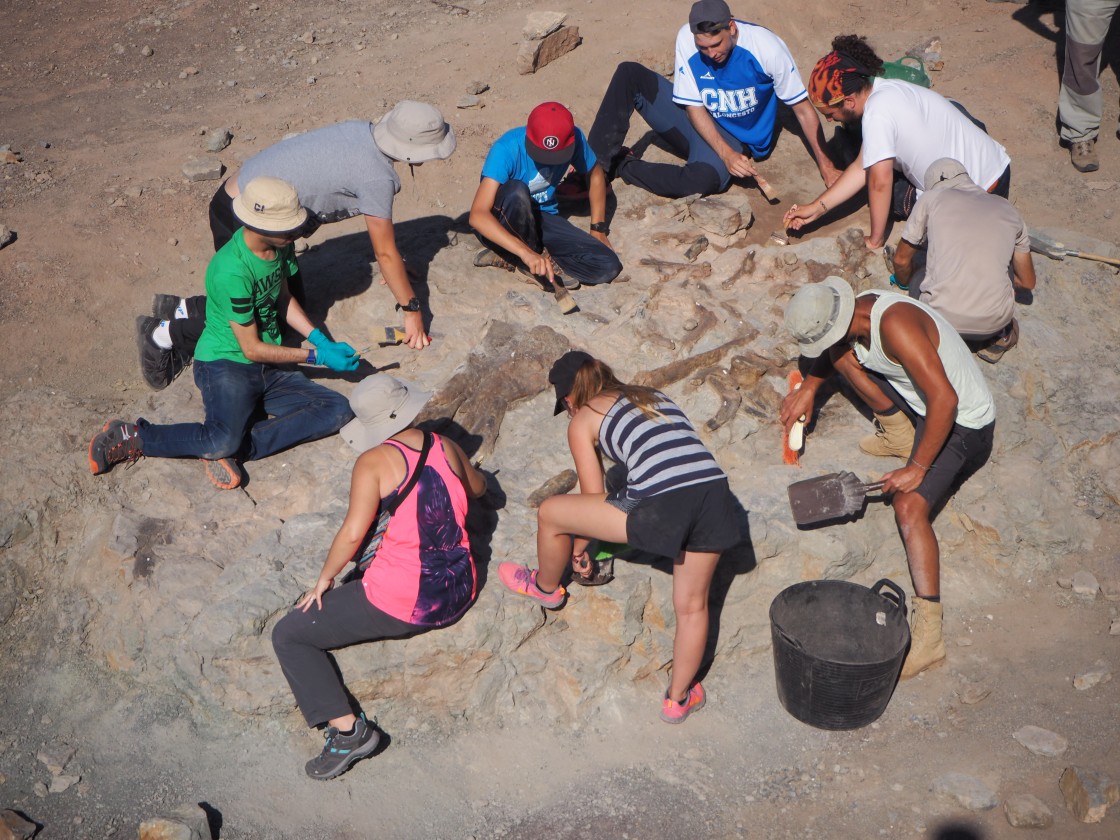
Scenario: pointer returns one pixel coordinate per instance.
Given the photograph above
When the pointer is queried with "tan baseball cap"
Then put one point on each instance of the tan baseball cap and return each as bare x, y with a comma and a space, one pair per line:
271, 206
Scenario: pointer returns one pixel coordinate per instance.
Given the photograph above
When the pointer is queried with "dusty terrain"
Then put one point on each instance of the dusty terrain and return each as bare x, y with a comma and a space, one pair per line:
104, 219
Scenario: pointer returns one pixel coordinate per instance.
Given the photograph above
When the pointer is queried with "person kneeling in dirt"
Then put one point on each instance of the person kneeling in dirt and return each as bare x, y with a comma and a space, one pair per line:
978, 257
420, 576
240, 364
339, 171
720, 111
904, 126
676, 503
900, 356
514, 210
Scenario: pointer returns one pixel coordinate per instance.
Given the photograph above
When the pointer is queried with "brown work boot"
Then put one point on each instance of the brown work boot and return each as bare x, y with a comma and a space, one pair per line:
1083, 154
893, 438
927, 648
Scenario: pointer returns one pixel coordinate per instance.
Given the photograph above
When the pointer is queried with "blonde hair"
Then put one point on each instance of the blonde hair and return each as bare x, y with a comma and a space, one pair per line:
595, 377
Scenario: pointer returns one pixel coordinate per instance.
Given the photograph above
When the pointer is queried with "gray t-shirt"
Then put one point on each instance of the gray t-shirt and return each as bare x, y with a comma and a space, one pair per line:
972, 236
338, 171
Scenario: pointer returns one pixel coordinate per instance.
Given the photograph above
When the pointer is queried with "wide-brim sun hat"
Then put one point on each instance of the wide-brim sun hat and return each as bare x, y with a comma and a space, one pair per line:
382, 406
414, 132
819, 315
270, 206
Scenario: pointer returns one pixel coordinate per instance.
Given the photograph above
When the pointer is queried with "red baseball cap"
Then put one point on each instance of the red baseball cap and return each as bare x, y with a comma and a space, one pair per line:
550, 134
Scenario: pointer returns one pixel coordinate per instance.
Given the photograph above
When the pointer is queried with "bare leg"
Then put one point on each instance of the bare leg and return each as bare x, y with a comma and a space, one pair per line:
911, 515
692, 577
560, 518
846, 365
344, 723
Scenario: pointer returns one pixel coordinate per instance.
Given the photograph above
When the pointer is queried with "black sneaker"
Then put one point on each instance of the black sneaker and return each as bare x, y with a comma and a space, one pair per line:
158, 366
117, 441
164, 306
340, 751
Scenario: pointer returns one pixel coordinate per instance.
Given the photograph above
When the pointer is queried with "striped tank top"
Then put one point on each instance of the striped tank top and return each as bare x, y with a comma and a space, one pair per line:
659, 455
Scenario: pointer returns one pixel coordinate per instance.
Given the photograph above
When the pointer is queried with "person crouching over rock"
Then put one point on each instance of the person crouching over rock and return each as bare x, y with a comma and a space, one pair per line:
421, 576
676, 503
901, 356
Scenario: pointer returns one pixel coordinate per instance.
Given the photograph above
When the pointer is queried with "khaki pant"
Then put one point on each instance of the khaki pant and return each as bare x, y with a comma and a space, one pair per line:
1080, 102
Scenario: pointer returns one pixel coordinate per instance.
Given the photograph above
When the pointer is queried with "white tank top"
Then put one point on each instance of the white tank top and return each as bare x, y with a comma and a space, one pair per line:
975, 407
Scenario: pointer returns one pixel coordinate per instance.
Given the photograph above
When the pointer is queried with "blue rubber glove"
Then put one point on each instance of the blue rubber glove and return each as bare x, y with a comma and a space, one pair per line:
337, 356
321, 342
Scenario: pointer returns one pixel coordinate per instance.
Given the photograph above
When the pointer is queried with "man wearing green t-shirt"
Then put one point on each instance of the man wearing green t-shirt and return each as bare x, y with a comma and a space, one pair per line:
238, 357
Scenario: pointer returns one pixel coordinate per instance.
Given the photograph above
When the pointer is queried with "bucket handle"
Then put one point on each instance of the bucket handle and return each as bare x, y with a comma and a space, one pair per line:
792, 642
899, 597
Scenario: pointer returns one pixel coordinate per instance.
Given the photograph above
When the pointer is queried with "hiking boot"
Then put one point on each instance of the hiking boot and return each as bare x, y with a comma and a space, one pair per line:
158, 366
117, 441
927, 648
340, 751
491, 259
487, 258
521, 580
893, 438
165, 306
222, 472
1007, 339
674, 712
1083, 155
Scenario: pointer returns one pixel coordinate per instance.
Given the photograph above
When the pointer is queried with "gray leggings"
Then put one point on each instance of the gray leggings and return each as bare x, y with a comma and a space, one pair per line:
301, 641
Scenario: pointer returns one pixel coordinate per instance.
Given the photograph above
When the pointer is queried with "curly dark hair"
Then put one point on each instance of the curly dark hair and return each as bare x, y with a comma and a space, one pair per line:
859, 51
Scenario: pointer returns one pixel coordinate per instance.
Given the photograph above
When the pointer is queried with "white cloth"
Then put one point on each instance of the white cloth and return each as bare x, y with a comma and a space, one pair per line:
975, 407
916, 127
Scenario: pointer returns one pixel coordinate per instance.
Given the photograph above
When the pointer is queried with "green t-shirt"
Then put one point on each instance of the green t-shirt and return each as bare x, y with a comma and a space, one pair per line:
242, 288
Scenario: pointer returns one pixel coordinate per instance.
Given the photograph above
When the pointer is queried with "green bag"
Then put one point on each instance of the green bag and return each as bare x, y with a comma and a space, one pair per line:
909, 69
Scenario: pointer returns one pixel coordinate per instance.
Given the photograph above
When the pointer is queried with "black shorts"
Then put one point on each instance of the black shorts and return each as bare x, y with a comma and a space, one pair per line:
965, 452
699, 518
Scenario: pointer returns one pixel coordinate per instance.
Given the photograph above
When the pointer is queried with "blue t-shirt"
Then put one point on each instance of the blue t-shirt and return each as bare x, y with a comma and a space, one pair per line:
508, 161
741, 94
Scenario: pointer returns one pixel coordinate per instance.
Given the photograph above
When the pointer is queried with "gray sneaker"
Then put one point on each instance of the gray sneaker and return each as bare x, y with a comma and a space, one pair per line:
1083, 154
117, 441
340, 751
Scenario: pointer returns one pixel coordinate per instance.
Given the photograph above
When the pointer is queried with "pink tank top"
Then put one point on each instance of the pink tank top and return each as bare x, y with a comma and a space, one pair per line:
423, 572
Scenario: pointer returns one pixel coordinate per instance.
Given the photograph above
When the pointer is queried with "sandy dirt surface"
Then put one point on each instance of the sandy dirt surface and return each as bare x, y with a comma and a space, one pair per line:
104, 218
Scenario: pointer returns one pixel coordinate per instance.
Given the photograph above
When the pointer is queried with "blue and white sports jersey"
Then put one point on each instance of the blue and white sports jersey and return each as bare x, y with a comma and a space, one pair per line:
742, 95
509, 161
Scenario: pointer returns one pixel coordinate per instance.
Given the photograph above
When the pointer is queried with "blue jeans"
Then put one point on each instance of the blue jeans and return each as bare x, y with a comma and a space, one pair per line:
637, 88
577, 252
252, 411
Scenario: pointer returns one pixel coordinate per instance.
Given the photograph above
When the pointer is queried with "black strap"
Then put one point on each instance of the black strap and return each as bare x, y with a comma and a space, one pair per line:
396, 503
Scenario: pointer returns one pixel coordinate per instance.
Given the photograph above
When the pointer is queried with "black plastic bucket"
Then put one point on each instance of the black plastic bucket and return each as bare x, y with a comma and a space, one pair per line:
838, 650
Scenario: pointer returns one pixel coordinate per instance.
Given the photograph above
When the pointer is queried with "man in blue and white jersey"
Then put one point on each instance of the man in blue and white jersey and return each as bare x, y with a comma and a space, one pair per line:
719, 113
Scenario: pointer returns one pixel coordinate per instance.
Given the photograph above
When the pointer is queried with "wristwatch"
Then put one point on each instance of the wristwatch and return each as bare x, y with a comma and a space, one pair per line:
413, 305
601, 227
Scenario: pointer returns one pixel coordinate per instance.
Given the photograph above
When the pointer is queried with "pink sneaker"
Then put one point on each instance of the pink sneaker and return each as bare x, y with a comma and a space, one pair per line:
521, 580
674, 712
